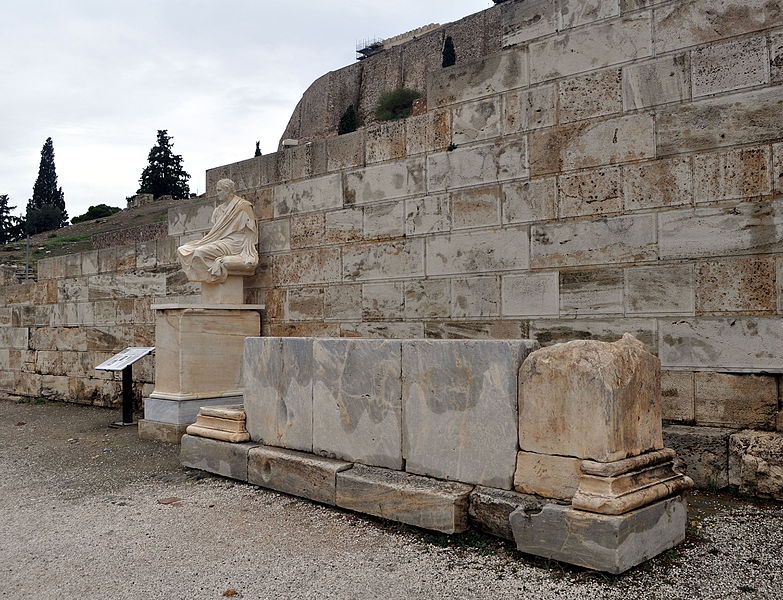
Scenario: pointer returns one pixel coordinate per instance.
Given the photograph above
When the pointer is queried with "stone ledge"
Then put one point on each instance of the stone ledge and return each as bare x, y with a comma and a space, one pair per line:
490, 509
214, 456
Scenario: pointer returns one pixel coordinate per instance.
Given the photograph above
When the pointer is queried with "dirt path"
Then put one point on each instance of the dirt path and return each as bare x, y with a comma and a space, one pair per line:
92, 512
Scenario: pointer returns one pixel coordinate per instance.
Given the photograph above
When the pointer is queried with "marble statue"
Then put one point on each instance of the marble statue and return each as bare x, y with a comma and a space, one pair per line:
229, 248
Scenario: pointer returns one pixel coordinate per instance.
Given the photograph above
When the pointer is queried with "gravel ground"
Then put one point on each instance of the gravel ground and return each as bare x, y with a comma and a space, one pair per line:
81, 517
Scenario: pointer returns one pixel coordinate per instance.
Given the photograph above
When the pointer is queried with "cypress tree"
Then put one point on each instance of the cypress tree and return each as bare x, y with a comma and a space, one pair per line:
449, 56
164, 174
10, 226
258, 149
46, 209
348, 121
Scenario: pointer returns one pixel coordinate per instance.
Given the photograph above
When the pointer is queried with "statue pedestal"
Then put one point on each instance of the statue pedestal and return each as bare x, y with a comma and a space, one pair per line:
231, 291
198, 362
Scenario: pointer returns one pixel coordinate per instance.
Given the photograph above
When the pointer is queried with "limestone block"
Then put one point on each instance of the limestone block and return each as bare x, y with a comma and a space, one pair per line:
384, 220
751, 227
736, 284
427, 298
161, 432
493, 250
580, 12
394, 330
604, 406
305, 304
384, 182
431, 214
490, 509
528, 109
529, 201
530, 295
776, 56
555, 331
745, 118
600, 241
73, 264
687, 24
475, 207
590, 193
90, 263
343, 302
274, 236
199, 351
345, 151
475, 330
737, 401
466, 391
733, 174
306, 267
179, 412
594, 95
295, 473
382, 301
326, 228
477, 165
658, 183
702, 453
303, 329
729, 66
547, 475
296, 162
735, 344
357, 397
756, 463
385, 141
44, 338
593, 292
475, 297
383, 260
476, 121
592, 144
601, 542
213, 456
524, 21
657, 81
678, 396
186, 218
278, 384
428, 132
309, 195
418, 501
589, 48
479, 78
232, 437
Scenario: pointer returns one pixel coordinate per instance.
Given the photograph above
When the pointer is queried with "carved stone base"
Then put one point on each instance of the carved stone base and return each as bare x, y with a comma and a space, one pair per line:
231, 291
221, 422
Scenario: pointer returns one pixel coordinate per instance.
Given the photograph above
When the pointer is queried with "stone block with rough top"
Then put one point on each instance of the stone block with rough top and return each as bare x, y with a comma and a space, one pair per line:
420, 501
756, 463
490, 509
702, 453
605, 543
296, 473
591, 400
214, 456
547, 475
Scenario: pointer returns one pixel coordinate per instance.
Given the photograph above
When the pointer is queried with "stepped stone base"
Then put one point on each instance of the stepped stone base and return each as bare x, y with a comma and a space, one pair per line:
603, 542
214, 456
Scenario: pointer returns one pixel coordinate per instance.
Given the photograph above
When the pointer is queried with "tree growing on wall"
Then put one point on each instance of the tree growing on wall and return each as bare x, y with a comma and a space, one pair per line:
258, 149
449, 56
348, 121
46, 209
396, 104
11, 227
164, 175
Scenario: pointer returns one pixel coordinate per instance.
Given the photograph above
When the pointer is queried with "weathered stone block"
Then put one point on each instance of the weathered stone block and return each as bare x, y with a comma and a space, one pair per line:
357, 397
385, 141
659, 183
590, 48
756, 463
530, 295
343, 302
213, 456
660, 290
278, 384
658, 81
524, 21
730, 120
306, 267
304, 304
494, 250
466, 391
383, 260
594, 95
483, 77
309, 195
747, 228
556, 331
345, 151
395, 330
382, 301
528, 109
490, 509
427, 215
738, 344
274, 236
547, 475
601, 542
168, 433
529, 201
736, 400
605, 240
418, 501
477, 165
678, 396
591, 292
730, 66
736, 284
590, 193
295, 473
580, 12
605, 406
188, 218
427, 298
739, 173
179, 412
475, 297
384, 220
702, 453
428, 132
476, 121
384, 182
475, 207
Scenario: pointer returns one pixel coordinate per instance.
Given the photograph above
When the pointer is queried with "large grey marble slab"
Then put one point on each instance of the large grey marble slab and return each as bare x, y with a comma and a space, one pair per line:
213, 456
181, 412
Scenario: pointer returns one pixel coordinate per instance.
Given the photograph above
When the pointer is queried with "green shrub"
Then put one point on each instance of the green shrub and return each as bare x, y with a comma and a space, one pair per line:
348, 121
396, 104
96, 212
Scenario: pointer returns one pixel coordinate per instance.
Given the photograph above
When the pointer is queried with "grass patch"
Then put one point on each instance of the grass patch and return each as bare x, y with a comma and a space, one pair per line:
59, 241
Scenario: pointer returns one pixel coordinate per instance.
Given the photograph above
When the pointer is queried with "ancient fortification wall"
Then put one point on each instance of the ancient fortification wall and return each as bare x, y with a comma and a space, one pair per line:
586, 168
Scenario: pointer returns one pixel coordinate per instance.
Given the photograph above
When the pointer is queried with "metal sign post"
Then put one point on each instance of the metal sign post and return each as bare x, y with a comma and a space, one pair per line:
123, 361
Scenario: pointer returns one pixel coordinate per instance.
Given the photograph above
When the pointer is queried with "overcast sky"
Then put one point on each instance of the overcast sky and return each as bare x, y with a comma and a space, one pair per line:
100, 77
